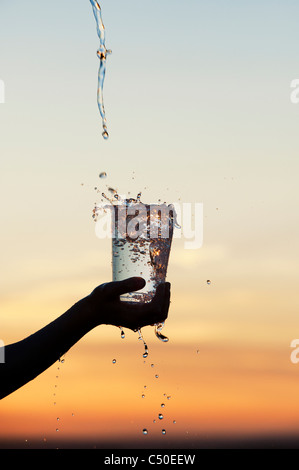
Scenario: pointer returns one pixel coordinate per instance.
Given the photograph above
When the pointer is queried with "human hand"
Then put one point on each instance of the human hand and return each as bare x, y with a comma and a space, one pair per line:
107, 308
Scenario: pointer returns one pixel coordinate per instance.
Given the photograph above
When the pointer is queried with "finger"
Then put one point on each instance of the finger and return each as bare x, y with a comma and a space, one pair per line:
166, 303
161, 302
155, 311
117, 288
162, 291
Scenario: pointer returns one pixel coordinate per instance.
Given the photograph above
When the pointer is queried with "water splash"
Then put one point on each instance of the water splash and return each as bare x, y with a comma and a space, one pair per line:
102, 53
145, 255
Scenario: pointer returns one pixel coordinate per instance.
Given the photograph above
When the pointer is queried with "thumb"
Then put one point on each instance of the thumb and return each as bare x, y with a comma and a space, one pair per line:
118, 288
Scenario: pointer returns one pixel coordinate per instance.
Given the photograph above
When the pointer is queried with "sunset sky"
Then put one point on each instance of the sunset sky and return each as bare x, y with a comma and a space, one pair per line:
197, 97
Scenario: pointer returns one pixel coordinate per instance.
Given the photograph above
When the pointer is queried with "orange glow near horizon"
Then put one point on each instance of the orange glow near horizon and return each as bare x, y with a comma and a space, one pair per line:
227, 373
235, 391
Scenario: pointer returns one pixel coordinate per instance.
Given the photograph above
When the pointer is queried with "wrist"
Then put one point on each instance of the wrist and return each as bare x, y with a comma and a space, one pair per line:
90, 312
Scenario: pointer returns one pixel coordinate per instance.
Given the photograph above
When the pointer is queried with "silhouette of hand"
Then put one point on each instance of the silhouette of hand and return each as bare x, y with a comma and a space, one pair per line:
105, 306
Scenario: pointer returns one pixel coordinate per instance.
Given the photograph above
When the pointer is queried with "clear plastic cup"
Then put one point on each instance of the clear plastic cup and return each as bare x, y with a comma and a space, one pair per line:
141, 242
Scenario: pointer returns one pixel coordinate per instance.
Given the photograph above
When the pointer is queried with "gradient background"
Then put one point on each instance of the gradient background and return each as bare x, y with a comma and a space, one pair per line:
197, 96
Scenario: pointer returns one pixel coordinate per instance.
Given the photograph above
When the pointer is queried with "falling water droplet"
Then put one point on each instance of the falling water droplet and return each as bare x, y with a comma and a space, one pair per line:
103, 175
208, 282
157, 376
145, 431
113, 361
160, 416
105, 135
162, 405
145, 354
158, 328
122, 333
102, 55
163, 432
